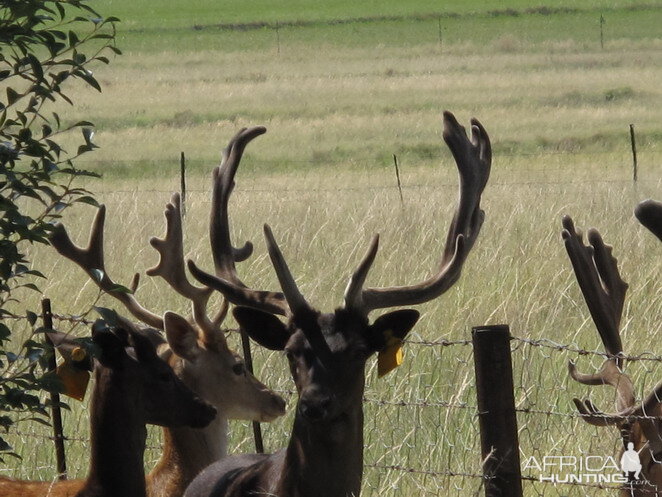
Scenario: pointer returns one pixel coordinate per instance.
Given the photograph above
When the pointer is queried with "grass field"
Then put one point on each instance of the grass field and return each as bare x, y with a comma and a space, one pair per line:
338, 100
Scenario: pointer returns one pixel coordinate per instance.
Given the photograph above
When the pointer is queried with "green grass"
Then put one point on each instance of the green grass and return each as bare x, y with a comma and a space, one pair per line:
339, 100
169, 13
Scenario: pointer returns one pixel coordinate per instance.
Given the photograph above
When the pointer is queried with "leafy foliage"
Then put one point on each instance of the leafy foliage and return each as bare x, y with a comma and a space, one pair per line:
41, 53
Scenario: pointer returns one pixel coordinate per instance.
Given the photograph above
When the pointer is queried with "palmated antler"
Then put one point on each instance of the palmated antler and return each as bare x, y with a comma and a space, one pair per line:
473, 158
91, 260
170, 248
604, 292
226, 280
649, 213
603, 289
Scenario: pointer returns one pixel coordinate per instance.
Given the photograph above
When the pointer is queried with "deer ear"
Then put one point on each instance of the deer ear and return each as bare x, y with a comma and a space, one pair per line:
182, 337
112, 348
145, 350
391, 326
266, 329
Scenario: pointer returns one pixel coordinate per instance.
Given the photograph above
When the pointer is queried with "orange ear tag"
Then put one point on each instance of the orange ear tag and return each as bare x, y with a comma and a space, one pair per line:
74, 379
391, 356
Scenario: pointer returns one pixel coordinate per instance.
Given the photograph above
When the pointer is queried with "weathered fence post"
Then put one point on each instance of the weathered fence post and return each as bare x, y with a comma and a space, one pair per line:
602, 34
248, 360
633, 143
182, 180
56, 412
397, 177
496, 411
278, 37
441, 39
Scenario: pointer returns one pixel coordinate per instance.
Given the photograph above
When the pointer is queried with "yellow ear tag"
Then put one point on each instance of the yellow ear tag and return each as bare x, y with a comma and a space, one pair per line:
391, 356
74, 379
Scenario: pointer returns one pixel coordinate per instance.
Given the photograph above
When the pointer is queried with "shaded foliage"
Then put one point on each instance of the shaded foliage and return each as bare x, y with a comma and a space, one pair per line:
41, 53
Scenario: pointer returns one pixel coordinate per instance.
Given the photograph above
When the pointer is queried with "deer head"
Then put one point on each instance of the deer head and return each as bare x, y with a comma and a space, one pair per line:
147, 379
604, 291
197, 348
332, 341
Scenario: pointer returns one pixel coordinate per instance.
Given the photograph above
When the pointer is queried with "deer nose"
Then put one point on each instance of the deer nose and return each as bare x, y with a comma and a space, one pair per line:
315, 409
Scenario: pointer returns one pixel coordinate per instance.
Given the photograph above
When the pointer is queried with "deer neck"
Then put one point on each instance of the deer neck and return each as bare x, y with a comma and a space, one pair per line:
186, 452
325, 459
118, 438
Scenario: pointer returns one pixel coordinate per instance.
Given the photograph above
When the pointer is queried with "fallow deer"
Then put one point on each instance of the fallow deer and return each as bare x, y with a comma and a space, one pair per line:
199, 354
604, 291
131, 388
327, 353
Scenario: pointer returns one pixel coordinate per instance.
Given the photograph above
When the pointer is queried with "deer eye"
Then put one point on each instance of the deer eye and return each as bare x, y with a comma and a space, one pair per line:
238, 369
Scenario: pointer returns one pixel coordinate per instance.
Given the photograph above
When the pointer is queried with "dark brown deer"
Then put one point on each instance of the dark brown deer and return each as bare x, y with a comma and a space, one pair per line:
604, 292
649, 213
132, 387
328, 352
198, 353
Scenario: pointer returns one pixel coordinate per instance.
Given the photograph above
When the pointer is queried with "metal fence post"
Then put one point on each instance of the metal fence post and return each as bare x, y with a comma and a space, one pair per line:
248, 360
56, 412
182, 181
633, 144
496, 406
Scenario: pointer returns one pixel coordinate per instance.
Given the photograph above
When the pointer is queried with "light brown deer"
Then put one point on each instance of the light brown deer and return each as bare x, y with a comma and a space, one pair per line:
131, 388
604, 292
198, 353
327, 353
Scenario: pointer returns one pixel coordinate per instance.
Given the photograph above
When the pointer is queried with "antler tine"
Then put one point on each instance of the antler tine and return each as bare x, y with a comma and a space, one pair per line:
171, 264
271, 302
219, 226
593, 415
296, 302
226, 280
473, 158
629, 413
91, 260
649, 213
353, 292
611, 375
603, 289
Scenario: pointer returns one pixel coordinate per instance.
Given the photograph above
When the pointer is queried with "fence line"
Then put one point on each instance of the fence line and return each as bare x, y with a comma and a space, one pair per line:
532, 342
432, 405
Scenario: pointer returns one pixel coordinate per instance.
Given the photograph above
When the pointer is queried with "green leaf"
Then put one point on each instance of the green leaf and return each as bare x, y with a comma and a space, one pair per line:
108, 315
36, 67
32, 317
12, 96
73, 39
120, 289
5, 332
87, 200
90, 80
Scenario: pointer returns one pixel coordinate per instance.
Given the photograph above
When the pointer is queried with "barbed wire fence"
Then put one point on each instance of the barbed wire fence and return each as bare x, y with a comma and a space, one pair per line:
434, 444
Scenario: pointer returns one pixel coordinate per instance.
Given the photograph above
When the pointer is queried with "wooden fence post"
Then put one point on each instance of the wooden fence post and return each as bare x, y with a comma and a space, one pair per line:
633, 143
602, 35
496, 411
56, 412
397, 177
248, 360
